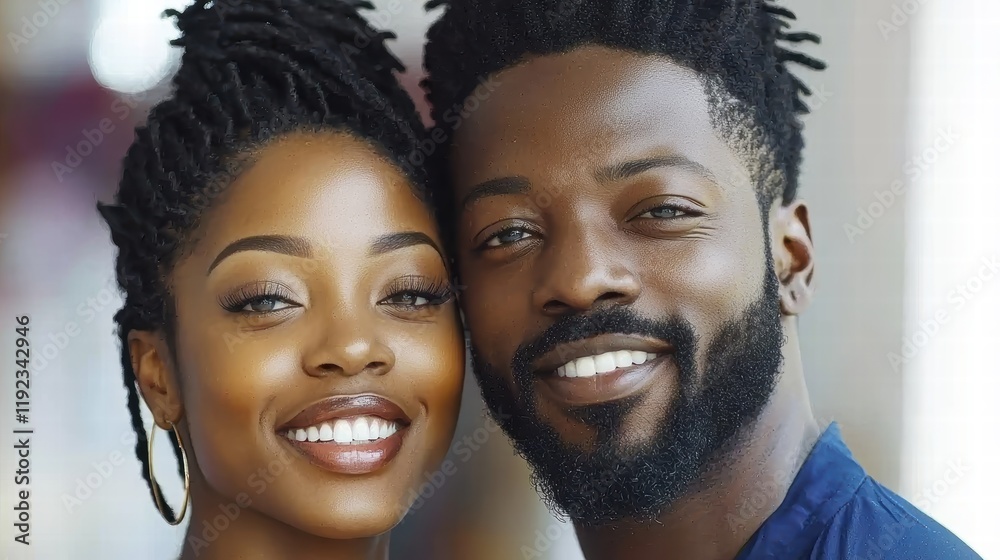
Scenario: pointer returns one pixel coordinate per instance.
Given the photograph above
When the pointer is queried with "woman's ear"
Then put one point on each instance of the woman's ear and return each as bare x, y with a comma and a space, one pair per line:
154, 373
791, 242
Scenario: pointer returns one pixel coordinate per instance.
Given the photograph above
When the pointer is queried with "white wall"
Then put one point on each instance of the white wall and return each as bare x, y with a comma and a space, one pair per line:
855, 147
953, 271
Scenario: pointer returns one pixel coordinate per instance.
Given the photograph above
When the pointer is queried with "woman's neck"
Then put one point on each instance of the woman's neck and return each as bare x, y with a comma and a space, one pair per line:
223, 530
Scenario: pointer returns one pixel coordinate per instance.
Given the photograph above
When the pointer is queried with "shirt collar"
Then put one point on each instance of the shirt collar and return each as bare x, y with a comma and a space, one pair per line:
827, 480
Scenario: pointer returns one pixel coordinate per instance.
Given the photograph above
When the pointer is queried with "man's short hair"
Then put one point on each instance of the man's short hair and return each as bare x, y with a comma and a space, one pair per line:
735, 45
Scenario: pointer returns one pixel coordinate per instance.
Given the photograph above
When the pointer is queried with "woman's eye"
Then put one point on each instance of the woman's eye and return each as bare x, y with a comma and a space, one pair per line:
265, 305
508, 236
664, 212
409, 299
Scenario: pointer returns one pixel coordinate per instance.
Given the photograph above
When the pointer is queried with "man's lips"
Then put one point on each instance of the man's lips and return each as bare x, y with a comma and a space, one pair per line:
347, 406
618, 384
596, 347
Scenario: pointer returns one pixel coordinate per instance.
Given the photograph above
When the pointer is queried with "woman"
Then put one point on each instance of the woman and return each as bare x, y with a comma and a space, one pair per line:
288, 315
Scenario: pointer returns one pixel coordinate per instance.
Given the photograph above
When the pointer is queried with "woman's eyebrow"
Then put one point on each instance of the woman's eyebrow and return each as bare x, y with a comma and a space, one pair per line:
284, 244
395, 241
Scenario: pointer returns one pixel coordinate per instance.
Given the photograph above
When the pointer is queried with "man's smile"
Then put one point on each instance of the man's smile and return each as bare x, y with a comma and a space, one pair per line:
617, 384
599, 354
601, 369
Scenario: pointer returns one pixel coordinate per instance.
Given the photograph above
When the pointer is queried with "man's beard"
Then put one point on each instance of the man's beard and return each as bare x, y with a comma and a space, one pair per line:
610, 482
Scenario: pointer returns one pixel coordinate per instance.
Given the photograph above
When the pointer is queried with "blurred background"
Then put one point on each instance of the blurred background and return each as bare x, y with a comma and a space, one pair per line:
900, 346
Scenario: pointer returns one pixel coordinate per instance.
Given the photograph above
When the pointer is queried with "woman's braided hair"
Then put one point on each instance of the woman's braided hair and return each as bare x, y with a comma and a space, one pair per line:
251, 72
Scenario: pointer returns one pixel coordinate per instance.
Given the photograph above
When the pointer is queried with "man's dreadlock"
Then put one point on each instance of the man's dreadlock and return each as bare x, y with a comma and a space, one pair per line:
733, 44
251, 72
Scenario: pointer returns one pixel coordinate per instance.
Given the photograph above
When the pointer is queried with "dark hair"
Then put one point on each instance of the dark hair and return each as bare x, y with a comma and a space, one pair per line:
732, 43
251, 72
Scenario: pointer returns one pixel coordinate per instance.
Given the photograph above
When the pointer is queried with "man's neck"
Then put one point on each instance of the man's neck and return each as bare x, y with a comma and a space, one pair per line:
743, 489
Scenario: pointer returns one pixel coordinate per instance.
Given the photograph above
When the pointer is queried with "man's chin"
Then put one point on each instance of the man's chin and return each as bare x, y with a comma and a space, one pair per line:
604, 462
599, 494
621, 428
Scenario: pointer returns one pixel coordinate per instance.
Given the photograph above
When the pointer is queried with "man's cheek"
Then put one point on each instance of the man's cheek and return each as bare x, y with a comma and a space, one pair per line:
710, 303
494, 332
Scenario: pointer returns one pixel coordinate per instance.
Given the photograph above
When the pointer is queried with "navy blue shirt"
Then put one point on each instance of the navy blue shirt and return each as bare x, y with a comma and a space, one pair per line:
835, 511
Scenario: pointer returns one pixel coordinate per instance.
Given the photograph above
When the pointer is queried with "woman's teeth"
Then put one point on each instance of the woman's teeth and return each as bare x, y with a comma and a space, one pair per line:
358, 430
589, 366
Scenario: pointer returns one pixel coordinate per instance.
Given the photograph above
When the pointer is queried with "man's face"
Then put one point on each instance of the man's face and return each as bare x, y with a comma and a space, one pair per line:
620, 291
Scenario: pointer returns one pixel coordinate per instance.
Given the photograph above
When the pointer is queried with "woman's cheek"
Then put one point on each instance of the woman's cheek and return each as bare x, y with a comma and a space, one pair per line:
225, 396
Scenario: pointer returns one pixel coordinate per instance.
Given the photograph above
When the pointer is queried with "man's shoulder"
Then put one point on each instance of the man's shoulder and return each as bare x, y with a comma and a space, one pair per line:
878, 524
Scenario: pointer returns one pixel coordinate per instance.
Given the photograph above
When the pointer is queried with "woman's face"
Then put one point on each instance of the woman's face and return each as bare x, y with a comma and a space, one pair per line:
319, 356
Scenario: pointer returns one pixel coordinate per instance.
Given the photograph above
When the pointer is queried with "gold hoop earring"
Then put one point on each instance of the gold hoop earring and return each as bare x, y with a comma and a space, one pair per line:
152, 477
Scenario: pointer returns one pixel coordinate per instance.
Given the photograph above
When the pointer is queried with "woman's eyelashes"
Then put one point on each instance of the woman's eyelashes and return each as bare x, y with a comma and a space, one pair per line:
417, 292
271, 299
259, 298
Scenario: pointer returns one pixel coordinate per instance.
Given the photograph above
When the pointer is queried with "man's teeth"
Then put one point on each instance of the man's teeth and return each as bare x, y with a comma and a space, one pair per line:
358, 430
589, 366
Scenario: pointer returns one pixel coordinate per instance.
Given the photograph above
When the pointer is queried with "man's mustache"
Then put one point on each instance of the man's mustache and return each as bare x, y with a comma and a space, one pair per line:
621, 320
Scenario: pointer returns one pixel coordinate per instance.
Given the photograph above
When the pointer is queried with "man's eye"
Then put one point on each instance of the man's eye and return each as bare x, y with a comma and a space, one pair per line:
508, 236
665, 212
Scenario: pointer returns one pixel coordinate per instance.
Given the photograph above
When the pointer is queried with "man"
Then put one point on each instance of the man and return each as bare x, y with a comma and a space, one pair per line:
625, 217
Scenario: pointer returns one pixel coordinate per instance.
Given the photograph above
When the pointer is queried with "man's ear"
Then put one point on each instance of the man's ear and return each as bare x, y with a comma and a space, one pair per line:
791, 243
154, 374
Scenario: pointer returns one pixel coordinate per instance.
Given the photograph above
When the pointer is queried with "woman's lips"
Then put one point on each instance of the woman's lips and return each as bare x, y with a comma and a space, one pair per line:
346, 406
352, 458
355, 434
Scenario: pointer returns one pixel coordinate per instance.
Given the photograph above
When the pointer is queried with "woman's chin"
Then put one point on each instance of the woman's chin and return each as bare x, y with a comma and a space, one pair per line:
351, 523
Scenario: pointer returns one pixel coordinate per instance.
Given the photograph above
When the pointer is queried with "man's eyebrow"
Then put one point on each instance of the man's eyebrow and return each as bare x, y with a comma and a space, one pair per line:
284, 244
394, 241
495, 187
625, 169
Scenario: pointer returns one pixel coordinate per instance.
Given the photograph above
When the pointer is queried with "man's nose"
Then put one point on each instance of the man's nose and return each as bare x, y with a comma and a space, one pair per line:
581, 272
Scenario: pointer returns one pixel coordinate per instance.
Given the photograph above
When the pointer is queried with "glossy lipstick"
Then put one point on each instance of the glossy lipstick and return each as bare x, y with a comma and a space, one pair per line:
356, 434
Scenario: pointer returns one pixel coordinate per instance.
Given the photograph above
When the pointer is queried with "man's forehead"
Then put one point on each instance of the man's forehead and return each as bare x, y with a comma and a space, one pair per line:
586, 86
588, 107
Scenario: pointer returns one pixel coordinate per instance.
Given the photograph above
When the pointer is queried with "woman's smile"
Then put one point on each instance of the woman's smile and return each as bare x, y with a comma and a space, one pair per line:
356, 434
